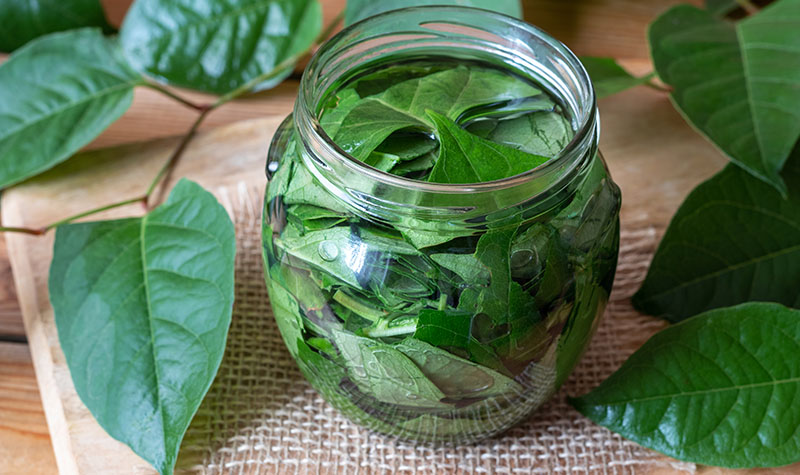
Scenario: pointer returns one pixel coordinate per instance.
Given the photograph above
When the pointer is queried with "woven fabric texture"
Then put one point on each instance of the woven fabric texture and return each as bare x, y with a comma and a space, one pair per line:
261, 416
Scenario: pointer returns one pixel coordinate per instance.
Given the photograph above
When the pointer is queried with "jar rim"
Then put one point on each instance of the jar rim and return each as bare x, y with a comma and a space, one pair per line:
586, 131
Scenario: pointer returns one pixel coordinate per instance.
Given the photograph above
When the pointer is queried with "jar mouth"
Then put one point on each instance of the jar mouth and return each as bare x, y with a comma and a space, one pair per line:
583, 108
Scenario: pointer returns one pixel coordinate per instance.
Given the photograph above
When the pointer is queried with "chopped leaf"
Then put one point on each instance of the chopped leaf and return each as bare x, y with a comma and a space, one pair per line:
142, 307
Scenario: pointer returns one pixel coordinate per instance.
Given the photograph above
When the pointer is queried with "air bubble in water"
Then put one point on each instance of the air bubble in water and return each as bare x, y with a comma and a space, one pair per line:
521, 258
328, 250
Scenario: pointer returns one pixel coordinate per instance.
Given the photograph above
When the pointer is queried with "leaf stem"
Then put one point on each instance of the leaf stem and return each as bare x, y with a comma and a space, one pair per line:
390, 331
748, 6
172, 95
657, 87
165, 173
44, 229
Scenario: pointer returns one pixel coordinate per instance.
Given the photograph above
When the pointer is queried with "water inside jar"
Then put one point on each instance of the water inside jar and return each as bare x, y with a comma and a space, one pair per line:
420, 118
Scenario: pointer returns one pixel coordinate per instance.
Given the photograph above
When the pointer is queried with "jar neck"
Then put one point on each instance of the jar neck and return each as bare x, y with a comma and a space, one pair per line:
461, 33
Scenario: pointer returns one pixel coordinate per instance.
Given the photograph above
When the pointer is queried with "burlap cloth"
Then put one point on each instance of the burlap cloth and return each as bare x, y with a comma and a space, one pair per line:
261, 416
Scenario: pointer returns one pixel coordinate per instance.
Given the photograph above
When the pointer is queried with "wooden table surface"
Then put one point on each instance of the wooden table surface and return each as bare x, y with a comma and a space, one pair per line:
590, 27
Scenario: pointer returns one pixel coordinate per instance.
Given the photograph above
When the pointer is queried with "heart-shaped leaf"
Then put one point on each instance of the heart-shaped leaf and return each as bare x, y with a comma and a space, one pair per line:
217, 45
57, 94
720, 389
359, 9
142, 307
609, 77
733, 240
24, 20
734, 82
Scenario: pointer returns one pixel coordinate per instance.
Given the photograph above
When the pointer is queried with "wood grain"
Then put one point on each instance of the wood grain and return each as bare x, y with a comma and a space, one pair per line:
24, 438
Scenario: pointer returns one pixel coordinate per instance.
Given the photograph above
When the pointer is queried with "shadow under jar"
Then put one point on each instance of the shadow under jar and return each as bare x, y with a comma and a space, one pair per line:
436, 312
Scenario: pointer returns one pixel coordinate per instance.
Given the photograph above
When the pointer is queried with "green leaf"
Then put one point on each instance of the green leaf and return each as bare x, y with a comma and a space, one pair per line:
25, 20
609, 77
57, 94
732, 82
217, 46
721, 8
719, 389
337, 109
456, 377
385, 373
450, 92
452, 330
465, 266
733, 240
357, 10
467, 158
540, 133
142, 307
408, 146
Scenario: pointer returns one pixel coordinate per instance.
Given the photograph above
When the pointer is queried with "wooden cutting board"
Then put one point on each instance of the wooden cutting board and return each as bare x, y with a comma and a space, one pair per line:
654, 156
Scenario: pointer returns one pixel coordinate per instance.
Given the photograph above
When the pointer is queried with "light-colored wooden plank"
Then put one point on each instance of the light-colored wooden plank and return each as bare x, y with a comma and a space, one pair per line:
10, 314
24, 439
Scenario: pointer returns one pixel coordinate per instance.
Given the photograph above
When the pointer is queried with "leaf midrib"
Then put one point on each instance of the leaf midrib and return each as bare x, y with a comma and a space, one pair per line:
69, 105
160, 403
727, 269
750, 101
775, 382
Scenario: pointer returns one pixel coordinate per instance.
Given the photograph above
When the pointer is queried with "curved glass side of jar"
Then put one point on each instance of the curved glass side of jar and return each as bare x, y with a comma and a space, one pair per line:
433, 312
466, 374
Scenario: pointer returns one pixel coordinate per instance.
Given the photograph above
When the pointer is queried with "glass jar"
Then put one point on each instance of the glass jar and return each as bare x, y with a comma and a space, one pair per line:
437, 312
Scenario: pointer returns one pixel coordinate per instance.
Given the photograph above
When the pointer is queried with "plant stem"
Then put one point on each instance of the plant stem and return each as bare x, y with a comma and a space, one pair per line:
391, 331
44, 229
748, 6
657, 87
172, 95
165, 173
